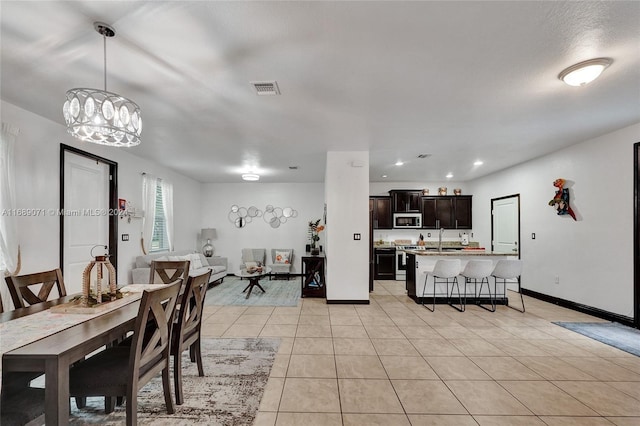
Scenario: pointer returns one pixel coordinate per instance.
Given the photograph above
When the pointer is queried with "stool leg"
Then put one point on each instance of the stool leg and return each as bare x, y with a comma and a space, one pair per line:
492, 299
426, 278
456, 284
504, 280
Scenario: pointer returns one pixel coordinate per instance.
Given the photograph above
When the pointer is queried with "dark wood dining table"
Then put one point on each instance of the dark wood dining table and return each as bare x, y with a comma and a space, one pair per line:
53, 354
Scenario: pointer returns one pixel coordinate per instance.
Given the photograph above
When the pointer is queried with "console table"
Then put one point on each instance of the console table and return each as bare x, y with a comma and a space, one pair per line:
313, 276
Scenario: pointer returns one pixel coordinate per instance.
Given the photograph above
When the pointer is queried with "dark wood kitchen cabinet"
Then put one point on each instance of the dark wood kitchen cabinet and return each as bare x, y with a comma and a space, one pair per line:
462, 211
385, 264
448, 212
381, 208
406, 201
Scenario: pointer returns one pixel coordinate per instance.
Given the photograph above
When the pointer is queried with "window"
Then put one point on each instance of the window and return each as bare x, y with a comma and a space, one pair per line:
160, 240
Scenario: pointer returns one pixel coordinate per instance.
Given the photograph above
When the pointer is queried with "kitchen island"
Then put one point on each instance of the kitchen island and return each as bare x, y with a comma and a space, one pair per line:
419, 261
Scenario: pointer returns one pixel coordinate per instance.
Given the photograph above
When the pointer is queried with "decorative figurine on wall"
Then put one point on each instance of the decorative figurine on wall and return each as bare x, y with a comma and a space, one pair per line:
560, 200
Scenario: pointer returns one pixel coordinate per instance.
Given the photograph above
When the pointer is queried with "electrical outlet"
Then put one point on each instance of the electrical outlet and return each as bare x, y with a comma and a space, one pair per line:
125, 237
429, 234
557, 279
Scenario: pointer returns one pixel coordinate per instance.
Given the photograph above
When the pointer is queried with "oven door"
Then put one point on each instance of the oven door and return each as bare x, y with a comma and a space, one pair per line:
401, 264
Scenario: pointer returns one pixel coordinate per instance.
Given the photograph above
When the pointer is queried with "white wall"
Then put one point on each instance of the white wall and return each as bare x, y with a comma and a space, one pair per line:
306, 198
593, 256
346, 192
37, 166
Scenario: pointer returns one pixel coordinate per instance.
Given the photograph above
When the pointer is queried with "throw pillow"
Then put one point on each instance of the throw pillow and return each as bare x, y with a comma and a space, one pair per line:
282, 257
181, 258
196, 262
249, 265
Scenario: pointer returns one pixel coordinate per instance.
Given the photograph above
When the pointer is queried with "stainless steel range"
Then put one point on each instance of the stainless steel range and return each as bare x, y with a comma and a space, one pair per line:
401, 260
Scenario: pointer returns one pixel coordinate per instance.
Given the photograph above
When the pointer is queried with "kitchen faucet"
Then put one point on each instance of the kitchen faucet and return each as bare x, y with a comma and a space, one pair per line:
440, 239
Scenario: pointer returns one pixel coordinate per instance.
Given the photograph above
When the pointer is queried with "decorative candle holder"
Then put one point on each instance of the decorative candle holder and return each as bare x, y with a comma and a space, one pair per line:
442, 190
100, 262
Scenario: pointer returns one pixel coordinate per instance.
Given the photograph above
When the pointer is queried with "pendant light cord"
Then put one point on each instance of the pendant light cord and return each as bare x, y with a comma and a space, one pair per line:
104, 39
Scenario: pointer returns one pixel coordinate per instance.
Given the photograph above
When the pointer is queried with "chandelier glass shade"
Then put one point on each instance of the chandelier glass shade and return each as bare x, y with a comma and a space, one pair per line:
102, 117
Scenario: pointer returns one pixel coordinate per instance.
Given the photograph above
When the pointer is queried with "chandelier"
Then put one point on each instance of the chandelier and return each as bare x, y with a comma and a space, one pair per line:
102, 117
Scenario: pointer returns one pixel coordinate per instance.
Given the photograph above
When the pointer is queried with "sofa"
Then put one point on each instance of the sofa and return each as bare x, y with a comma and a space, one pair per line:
218, 265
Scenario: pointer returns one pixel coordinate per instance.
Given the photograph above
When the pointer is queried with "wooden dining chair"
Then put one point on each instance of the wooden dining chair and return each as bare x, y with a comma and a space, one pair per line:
124, 370
186, 331
21, 293
167, 271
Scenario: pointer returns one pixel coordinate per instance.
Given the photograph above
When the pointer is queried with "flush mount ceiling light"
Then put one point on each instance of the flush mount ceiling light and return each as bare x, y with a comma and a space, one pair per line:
478, 163
252, 177
102, 117
584, 72
449, 175
399, 163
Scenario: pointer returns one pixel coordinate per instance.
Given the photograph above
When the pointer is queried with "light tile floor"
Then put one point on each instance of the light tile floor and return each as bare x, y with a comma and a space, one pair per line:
393, 362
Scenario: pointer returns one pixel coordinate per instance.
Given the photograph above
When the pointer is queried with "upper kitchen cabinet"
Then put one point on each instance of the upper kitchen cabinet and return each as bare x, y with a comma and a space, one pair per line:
406, 201
462, 211
448, 212
382, 217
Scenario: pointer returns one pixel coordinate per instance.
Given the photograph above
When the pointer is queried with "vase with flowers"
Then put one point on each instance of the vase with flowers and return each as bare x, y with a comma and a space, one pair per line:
314, 230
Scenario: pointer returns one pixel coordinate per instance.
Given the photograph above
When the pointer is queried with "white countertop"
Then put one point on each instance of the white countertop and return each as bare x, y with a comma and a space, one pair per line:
458, 253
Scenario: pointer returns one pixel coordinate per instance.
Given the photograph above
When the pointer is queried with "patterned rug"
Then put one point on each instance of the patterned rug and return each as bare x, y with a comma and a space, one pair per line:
611, 333
236, 373
277, 293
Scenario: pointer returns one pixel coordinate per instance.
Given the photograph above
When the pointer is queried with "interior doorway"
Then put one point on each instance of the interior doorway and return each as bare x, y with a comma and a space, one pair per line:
88, 202
505, 224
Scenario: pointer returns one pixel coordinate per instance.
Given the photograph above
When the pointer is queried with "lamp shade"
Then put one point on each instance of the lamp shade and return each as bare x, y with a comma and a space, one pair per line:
209, 234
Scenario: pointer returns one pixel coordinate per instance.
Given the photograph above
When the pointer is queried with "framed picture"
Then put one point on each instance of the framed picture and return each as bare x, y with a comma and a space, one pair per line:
122, 204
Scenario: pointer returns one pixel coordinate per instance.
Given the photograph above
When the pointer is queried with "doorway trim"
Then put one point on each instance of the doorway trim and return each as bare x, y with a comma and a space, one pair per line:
113, 202
636, 235
493, 200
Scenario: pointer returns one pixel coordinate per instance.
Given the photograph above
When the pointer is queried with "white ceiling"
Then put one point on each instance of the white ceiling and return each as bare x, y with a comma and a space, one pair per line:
458, 80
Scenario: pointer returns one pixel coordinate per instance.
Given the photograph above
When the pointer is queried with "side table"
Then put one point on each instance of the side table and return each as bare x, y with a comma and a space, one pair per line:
313, 276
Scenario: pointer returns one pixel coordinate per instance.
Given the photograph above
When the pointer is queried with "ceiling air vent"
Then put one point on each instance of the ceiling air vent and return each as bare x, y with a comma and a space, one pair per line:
424, 155
266, 88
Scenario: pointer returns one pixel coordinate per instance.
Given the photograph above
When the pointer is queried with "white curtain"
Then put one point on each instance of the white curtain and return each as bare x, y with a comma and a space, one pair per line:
149, 184
167, 205
9, 247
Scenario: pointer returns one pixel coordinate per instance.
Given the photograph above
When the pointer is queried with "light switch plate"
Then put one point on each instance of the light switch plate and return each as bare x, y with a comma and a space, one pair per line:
125, 237
356, 237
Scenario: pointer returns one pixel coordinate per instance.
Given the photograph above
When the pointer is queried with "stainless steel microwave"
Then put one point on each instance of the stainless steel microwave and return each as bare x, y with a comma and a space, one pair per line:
407, 220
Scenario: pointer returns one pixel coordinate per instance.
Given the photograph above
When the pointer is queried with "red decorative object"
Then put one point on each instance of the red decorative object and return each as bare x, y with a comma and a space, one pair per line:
560, 200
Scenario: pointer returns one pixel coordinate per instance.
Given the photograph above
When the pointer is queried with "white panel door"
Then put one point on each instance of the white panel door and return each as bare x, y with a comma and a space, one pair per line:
86, 220
505, 224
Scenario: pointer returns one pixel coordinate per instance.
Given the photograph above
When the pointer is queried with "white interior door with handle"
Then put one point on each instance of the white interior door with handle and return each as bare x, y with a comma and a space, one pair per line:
86, 220
505, 226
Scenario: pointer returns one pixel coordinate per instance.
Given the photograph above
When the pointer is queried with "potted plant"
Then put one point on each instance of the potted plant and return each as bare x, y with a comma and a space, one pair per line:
314, 229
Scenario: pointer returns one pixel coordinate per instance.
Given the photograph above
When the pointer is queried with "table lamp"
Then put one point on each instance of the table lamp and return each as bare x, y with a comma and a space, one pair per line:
208, 234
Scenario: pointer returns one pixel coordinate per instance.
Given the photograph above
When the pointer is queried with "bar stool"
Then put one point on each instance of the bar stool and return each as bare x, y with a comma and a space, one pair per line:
473, 271
444, 269
508, 270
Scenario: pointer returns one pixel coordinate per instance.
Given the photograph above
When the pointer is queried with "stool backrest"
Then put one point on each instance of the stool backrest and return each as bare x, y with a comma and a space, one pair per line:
508, 268
478, 268
447, 268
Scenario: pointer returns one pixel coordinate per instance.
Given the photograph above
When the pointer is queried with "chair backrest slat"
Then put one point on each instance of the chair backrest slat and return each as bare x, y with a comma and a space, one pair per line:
21, 293
151, 345
168, 271
191, 305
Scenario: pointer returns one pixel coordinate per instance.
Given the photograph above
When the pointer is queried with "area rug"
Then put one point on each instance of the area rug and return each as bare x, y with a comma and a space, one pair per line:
613, 334
236, 373
277, 293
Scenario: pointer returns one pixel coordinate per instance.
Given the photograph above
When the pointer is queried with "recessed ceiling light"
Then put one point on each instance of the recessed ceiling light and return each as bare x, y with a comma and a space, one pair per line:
384, 176
584, 72
478, 163
252, 177
399, 163
449, 175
